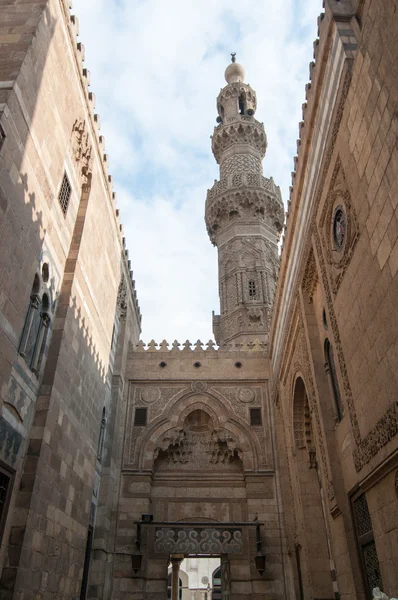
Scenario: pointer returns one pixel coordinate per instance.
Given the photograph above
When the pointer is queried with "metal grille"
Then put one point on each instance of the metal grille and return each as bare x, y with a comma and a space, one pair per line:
362, 516
372, 566
64, 194
252, 288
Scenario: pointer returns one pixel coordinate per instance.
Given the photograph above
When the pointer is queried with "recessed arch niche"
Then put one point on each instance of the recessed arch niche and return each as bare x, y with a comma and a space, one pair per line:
197, 444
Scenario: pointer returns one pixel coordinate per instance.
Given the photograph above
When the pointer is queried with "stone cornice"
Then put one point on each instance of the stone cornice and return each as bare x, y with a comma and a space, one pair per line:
264, 204
239, 130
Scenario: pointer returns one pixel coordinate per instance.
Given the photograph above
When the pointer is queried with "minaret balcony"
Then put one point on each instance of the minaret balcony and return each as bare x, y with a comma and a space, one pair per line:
239, 129
243, 196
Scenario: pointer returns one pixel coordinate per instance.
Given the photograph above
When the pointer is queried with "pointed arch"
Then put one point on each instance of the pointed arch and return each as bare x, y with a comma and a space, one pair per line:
220, 416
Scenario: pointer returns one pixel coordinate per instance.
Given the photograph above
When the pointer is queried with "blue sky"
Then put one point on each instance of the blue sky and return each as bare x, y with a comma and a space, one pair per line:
156, 69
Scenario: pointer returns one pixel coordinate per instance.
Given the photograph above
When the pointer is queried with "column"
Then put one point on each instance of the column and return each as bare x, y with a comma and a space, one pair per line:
176, 560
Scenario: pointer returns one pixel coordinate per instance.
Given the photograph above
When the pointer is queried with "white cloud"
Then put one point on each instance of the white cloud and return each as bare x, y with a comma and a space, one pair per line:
156, 68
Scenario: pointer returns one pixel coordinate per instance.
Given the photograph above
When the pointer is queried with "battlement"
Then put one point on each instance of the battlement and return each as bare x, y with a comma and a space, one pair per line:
98, 139
334, 21
199, 346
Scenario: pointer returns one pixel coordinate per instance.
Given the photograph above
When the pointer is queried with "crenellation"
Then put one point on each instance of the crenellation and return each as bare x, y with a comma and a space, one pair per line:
312, 69
92, 100
86, 75
81, 51
75, 25
316, 48
288, 421
198, 346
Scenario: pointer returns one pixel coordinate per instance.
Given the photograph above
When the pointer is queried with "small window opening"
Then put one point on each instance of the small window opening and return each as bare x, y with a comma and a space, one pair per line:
140, 417
255, 416
252, 288
2, 136
45, 272
196, 365
238, 364
6, 479
324, 319
241, 104
65, 194
331, 370
101, 439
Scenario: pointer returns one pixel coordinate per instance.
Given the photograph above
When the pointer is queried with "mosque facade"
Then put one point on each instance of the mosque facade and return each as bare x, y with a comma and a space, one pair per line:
261, 465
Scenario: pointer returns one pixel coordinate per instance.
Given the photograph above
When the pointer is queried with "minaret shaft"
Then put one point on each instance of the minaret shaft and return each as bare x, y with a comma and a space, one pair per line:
244, 216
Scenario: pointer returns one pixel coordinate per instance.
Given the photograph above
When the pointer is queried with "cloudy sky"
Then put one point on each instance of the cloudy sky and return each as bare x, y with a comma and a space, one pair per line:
156, 69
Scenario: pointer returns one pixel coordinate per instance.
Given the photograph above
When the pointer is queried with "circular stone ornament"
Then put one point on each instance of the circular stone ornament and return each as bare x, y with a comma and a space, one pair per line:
339, 228
246, 395
199, 386
150, 394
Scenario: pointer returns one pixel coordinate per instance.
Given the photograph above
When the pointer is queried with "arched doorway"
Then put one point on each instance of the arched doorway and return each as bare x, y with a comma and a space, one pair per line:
312, 551
217, 584
169, 587
197, 491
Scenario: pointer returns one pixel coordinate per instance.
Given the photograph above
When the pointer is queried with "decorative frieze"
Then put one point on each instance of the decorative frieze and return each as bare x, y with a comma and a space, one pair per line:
195, 540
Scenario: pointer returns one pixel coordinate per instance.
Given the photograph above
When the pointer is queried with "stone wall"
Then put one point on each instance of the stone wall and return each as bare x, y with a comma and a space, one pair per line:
196, 456
334, 324
51, 412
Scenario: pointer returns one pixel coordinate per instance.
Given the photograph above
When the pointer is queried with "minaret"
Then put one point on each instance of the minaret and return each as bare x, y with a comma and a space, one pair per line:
244, 216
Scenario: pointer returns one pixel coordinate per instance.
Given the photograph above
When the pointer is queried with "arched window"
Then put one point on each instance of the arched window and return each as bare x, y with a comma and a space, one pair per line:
35, 330
216, 595
330, 367
45, 321
101, 439
32, 323
242, 104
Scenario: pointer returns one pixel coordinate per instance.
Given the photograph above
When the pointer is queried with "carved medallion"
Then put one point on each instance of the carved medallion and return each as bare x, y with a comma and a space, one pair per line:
198, 386
339, 228
246, 395
150, 394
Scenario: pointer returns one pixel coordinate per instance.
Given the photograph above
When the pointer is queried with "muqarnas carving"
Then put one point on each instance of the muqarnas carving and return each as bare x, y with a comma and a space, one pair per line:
198, 446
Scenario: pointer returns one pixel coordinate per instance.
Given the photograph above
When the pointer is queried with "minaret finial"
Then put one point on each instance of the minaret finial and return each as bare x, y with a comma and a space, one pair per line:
233, 56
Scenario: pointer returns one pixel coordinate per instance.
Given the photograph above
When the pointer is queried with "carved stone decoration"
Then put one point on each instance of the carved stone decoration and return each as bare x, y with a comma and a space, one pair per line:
338, 226
150, 394
319, 192
387, 427
134, 434
240, 131
198, 446
122, 298
246, 395
198, 386
82, 149
310, 277
199, 450
198, 540
301, 363
248, 203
